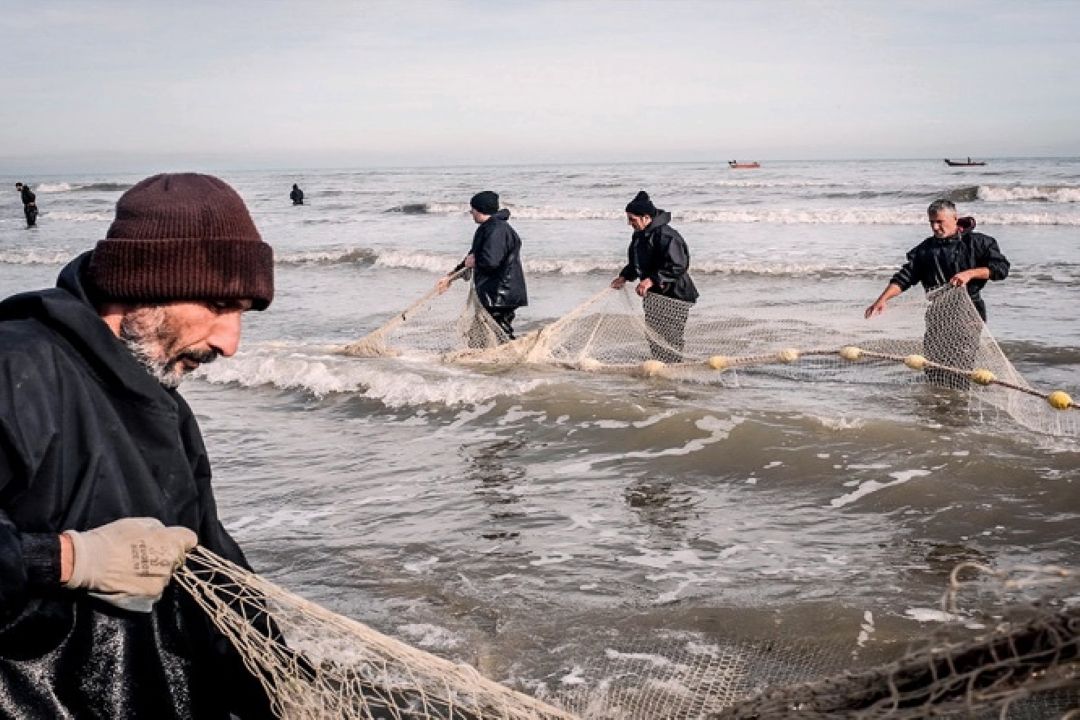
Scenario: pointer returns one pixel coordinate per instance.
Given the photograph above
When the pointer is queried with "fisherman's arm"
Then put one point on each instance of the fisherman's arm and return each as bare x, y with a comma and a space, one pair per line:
996, 263
490, 254
675, 263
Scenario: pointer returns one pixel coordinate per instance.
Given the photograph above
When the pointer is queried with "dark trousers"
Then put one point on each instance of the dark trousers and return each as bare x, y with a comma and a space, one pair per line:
668, 320
30, 211
504, 318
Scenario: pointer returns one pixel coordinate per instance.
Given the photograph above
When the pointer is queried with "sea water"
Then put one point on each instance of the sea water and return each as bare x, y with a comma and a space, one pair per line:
496, 515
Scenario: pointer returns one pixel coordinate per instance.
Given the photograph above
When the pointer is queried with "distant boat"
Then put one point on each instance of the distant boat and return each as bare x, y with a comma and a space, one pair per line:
735, 165
964, 163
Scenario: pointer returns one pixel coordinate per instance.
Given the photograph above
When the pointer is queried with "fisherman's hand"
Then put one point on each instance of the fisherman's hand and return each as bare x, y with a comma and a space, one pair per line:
470, 261
961, 278
618, 282
876, 309
443, 285
643, 287
128, 562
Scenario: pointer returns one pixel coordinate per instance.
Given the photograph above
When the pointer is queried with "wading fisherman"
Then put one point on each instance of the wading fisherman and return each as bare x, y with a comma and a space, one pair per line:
29, 201
104, 478
495, 260
953, 255
296, 195
660, 261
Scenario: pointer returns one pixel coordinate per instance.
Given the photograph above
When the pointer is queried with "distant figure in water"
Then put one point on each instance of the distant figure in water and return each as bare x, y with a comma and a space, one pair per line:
495, 259
660, 260
954, 255
297, 195
29, 201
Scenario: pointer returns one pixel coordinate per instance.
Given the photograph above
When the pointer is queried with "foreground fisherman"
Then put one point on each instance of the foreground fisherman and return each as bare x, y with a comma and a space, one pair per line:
104, 478
660, 260
954, 255
495, 259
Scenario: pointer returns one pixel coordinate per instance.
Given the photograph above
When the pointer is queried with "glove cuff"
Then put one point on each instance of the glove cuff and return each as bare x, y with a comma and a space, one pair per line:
80, 577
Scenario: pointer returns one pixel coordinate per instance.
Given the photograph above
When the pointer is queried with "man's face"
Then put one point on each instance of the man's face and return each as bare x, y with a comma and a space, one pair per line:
173, 339
638, 222
477, 216
18, 186
943, 223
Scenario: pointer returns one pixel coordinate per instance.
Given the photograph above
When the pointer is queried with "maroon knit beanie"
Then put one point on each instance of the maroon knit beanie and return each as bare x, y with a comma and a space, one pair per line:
182, 237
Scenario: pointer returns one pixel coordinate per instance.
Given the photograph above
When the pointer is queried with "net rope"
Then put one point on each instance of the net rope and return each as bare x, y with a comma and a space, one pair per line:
938, 339
316, 664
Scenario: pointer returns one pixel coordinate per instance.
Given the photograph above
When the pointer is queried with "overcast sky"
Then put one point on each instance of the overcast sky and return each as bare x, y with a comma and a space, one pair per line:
259, 83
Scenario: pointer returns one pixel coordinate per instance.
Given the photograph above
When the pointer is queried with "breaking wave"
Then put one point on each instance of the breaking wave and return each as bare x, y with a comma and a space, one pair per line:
395, 386
745, 215
62, 187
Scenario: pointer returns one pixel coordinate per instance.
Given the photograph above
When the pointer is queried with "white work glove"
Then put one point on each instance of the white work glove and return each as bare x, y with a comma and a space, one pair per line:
128, 562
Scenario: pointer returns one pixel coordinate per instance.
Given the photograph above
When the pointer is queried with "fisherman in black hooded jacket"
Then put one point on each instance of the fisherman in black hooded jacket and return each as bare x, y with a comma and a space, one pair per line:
102, 463
660, 260
954, 255
495, 259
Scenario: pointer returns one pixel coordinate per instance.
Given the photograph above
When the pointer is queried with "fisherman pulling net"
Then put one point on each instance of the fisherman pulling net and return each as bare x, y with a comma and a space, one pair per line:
939, 339
315, 664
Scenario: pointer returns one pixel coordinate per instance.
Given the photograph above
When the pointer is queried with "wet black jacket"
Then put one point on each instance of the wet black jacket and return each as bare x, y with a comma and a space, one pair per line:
28, 196
934, 261
498, 276
659, 253
87, 436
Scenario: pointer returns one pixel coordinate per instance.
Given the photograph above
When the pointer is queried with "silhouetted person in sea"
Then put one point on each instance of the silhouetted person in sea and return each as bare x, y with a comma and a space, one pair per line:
297, 195
29, 201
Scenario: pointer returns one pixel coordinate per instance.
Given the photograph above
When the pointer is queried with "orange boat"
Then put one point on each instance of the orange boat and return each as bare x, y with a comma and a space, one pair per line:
735, 165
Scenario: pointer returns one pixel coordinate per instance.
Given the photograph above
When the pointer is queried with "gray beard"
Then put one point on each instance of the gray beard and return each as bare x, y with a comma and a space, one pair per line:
144, 332
143, 352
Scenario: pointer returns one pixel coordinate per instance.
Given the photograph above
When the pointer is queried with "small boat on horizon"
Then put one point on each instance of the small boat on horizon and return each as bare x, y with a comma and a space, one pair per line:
964, 163
736, 165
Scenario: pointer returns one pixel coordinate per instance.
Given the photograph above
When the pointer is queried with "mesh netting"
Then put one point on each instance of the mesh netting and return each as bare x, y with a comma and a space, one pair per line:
938, 339
315, 664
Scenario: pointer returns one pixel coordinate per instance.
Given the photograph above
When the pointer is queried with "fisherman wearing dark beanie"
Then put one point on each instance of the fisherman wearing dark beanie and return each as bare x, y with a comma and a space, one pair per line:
485, 202
641, 205
660, 260
182, 237
111, 483
495, 261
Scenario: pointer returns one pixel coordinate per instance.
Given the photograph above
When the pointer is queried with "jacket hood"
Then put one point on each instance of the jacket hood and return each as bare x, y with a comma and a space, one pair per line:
503, 215
69, 311
663, 217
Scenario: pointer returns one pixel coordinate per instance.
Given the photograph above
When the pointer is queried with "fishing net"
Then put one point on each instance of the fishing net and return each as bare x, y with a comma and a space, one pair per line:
937, 339
315, 664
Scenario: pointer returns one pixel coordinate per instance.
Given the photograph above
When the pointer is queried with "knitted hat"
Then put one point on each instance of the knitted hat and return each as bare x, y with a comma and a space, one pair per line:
486, 202
641, 205
182, 237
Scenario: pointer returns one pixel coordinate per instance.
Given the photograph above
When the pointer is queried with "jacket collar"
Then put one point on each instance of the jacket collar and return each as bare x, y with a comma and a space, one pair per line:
68, 310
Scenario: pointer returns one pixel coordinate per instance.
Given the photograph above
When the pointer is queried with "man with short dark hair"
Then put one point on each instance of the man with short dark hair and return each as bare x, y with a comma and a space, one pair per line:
660, 261
29, 201
954, 255
495, 259
105, 482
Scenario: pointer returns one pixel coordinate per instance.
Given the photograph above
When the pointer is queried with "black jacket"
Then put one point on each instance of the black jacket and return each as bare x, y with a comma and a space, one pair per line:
28, 197
87, 436
498, 276
934, 261
296, 195
659, 253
